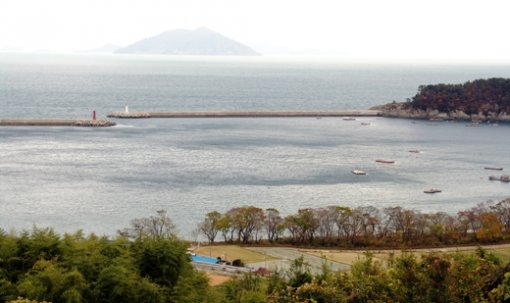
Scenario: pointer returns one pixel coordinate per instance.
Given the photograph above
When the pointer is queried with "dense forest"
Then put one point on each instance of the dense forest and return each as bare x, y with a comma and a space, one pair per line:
148, 263
364, 226
486, 96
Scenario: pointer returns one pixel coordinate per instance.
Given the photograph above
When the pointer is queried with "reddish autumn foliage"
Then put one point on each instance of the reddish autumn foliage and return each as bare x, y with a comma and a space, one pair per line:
480, 96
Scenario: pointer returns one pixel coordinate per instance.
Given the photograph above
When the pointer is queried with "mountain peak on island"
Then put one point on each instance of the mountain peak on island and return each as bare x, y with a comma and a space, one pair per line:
201, 41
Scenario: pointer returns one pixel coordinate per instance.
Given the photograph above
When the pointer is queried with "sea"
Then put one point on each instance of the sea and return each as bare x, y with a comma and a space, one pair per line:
99, 179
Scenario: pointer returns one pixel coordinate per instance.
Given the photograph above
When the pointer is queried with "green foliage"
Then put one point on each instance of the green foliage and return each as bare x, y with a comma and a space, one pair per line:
49, 281
367, 281
42, 265
162, 260
193, 288
299, 272
502, 292
120, 284
248, 289
484, 95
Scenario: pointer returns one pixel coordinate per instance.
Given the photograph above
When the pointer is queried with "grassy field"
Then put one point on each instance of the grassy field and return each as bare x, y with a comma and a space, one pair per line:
231, 252
350, 256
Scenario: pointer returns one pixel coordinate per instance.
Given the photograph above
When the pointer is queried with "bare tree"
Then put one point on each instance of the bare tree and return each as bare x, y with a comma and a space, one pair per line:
159, 226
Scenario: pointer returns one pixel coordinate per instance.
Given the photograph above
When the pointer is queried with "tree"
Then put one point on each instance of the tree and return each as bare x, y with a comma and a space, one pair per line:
48, 281
118, 283
273, 224
211, 225
155, 227
491, 228
246, 220
162, 261
502, 210
307, 223
225, 227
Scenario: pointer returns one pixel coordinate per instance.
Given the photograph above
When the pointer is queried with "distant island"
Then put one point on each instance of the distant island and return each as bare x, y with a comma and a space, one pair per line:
201, 41
479, 100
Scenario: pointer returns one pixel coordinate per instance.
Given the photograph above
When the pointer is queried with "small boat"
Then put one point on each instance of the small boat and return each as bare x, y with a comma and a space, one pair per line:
414, 151
365, 123
493, 168
385, 161
503, 178
432, 191
349, 118
358, 172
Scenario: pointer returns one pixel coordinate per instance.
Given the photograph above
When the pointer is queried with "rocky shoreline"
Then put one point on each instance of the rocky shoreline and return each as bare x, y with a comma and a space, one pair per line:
404, 110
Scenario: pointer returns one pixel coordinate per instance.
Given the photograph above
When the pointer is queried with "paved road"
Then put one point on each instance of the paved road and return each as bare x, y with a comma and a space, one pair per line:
286, 255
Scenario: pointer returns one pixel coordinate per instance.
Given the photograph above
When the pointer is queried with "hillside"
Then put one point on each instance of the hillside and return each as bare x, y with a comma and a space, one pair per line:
201, 41
483, 99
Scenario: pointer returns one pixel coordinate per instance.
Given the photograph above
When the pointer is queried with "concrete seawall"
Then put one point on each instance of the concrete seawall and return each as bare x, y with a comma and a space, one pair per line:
57, 122
245, 114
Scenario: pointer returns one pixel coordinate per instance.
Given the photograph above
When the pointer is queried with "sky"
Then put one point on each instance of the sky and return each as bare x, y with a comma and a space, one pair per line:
428, 29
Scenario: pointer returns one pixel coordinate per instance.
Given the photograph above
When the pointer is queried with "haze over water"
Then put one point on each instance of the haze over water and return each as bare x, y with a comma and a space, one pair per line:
100, 179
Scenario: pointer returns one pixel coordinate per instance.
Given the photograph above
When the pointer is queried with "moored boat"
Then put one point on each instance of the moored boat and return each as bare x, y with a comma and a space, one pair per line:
493, 168
432, 191
503, 178
414, 151
385, 161
358, 172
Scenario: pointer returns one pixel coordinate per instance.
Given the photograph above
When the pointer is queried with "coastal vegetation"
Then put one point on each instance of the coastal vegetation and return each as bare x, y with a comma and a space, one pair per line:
147, 262
364, 226
485, 96
478, 100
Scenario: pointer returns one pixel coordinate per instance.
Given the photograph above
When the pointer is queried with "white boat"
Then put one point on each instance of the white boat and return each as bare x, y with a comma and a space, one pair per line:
358, 172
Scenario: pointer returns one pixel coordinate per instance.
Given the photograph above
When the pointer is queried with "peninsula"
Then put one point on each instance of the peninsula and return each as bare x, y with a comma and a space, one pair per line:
479, 100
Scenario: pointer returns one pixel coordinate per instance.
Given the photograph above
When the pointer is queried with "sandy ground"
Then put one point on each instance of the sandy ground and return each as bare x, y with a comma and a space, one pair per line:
215, 279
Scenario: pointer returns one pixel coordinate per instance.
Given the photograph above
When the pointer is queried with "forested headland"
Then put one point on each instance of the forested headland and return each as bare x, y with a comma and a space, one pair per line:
483, 99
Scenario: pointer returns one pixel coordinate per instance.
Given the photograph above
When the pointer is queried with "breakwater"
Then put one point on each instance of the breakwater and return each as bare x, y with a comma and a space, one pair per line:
245, 114
57, 122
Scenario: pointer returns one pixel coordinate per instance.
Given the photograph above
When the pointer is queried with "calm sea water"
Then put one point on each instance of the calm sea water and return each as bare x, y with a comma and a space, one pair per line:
100, 179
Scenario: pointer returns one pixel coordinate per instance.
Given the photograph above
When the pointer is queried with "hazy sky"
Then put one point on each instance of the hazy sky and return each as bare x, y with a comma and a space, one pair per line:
355, 28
